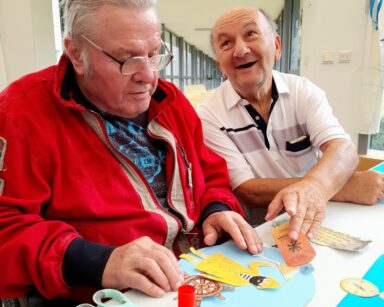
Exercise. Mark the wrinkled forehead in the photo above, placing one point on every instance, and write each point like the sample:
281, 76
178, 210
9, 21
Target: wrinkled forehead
136, 23
236, 18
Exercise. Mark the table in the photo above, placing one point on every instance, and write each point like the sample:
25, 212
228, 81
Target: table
366, 222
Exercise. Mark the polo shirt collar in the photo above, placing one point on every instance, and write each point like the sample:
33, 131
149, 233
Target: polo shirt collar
281, 86
233, 98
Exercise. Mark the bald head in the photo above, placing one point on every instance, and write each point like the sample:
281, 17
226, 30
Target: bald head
238, 14
246, 46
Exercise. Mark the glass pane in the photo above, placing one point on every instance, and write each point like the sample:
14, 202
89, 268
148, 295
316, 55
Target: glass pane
176, 81
377, 140
167, 40
189, 61
198, 70
176, 56
294, 61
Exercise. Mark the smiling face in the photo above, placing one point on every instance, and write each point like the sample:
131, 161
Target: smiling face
246, 49
122, 32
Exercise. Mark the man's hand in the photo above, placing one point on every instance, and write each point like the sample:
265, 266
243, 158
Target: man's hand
364, 188
306, 203
144, 265
233, 224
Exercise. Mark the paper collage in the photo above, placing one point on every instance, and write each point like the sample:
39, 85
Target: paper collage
258, 277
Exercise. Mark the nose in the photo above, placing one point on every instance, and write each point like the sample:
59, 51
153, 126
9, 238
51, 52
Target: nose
145, 74
241, 48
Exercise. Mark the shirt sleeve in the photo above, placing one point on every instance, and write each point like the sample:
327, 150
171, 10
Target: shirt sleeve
210, 209
322, 125
218, 140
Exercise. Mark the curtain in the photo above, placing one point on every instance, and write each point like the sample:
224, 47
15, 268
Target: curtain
373, 70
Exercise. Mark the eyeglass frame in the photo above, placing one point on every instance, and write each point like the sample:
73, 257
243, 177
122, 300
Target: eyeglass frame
121, 63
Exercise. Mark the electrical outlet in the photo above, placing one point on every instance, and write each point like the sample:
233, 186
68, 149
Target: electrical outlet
345, 56
328, 57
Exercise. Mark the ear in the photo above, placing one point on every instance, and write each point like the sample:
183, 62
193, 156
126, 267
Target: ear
277, 47
222, 70
73, 51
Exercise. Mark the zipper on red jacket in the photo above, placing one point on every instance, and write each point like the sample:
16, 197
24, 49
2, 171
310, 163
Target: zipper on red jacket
170, 207
169, 210
188, 166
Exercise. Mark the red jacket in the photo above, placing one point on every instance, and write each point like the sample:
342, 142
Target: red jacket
63, 179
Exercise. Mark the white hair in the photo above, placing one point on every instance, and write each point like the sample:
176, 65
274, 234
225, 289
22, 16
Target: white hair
79, 15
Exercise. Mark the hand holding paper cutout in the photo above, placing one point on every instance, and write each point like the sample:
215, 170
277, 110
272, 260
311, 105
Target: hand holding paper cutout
305, 202
294, 252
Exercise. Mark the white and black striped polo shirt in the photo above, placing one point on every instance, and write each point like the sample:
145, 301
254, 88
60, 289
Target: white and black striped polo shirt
287, 146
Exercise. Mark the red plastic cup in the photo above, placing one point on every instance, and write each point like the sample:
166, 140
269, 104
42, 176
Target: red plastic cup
186, 296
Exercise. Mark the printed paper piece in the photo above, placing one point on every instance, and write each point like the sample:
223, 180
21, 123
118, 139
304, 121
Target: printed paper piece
339, 240
221, 268
295, 253
206, 287
287, 271
374, 275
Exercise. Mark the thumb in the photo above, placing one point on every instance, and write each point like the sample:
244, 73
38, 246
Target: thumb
210, 235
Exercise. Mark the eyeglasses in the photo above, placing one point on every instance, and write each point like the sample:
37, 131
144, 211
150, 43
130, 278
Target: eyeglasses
134, 64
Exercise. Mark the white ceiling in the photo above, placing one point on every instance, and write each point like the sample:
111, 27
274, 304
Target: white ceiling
182, 17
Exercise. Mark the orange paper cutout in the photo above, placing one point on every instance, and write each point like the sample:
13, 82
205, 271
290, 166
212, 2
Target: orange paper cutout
295, 253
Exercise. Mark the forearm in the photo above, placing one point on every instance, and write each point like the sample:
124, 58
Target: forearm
259, 192
335, 167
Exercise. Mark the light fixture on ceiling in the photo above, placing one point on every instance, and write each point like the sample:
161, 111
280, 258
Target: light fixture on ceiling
202, 29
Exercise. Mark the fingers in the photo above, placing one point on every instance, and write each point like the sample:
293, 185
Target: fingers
252, 239
306, 206
274, 208
143, 265
307, 219
314, 228
210, 234
152, 282
295, 225
244, 236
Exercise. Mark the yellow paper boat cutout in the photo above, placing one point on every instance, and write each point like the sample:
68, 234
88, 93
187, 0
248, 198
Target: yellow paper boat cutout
221, 268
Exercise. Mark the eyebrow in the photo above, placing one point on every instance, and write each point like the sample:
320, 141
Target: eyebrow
249, 23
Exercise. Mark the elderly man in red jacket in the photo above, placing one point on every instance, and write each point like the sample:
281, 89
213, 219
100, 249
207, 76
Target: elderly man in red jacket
103, 167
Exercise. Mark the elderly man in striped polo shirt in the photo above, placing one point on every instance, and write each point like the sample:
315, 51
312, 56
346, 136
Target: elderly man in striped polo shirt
283, 146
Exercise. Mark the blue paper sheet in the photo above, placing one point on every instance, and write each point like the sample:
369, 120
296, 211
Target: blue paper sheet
378, 168
294, 293
375, 275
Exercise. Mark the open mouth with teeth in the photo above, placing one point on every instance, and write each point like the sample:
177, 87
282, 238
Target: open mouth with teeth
246, 65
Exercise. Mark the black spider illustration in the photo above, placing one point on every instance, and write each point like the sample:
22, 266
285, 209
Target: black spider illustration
294, 246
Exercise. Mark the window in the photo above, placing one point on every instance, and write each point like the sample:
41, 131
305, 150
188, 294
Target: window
377, 140
189, 65
57, 28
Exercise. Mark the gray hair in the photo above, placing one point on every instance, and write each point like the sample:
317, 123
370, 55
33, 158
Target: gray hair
78, 16
271, 22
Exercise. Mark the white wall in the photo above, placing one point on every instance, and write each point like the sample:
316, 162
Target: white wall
27, 37
330, 25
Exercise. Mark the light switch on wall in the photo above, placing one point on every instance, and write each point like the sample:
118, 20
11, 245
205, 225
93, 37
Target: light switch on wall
345, 56
328, 57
